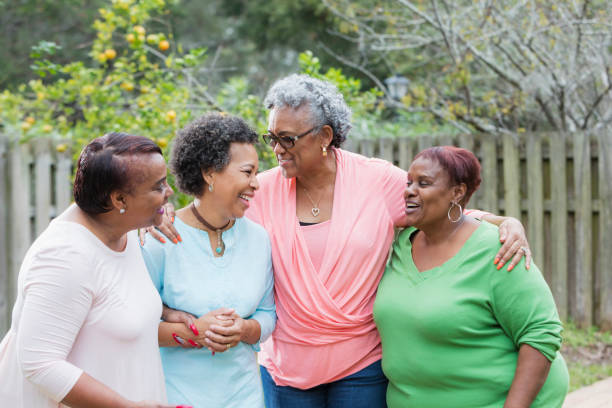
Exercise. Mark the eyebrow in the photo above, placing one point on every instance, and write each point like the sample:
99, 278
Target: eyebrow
161, 180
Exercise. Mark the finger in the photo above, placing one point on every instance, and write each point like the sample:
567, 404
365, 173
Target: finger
508, 253
155, 234
141, 235
223, 311
224, 323
216, 347
167, 228
224, 331
169, 210
528, 259
221, 339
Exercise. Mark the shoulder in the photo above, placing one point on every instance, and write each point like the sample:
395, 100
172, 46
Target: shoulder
254, 230
269, 176
369, 167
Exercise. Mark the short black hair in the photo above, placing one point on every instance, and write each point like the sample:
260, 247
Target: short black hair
100, 169
204, 145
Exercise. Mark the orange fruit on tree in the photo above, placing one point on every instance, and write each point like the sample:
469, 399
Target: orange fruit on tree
171, 115
127, 86
163, 45
139, 30
110, 53
30, 120
130, 38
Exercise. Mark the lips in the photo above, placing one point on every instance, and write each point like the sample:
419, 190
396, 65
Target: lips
245, 198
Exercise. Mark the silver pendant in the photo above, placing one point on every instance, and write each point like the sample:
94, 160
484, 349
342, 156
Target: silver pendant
315, 211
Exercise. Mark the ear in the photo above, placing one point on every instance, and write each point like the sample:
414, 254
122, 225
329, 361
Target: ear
327, 135
208, 176
118, 199
459, 192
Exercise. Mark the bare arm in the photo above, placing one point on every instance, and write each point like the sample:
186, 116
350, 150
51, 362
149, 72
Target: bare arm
531, 373
90, 393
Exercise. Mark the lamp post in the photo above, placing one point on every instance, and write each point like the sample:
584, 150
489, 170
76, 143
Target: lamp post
397, 86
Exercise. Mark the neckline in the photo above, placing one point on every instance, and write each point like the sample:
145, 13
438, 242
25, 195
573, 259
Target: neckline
447, 265
95, 240
229, 238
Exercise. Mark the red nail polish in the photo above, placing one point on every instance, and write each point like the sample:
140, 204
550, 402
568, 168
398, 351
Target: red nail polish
495, 261
163, 241
193, 343
173, 220
500, 266
179, 238
178, 339
194, 329
510, 268
175, 241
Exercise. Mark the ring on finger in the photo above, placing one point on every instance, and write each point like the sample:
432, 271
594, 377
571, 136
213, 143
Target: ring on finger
228, 346
524, 249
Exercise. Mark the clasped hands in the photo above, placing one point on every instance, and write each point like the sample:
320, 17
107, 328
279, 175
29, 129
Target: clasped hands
218, 330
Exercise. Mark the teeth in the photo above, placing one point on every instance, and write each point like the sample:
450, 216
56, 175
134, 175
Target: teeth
245, 197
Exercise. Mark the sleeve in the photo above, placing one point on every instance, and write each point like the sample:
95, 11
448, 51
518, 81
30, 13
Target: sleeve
525, 309
155, 257
265, 313
393, 184
58, 294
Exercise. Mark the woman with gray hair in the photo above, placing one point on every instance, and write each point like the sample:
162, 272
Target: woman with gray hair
331, 216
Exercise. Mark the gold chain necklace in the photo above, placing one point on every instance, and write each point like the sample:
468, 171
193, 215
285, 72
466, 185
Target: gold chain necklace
315, 207
220, 244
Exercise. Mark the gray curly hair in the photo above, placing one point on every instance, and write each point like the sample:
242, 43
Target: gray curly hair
326, 103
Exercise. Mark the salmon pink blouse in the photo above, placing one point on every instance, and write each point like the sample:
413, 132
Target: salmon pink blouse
325, 329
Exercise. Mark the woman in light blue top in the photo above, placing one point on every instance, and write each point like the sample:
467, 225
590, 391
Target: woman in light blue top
221, 273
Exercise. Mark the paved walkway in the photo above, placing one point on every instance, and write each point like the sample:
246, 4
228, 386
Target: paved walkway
598, 395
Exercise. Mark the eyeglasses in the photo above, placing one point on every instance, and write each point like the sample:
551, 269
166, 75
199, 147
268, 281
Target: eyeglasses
287, 142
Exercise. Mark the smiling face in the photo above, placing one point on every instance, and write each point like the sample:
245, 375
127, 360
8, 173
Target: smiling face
428, 193
305, 155
235, 185
150, 191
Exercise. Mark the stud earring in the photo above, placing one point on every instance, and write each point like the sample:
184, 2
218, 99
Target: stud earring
122, 211
210, 187
324, 151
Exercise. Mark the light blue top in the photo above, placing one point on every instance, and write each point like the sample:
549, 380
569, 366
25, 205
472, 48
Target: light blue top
188, 277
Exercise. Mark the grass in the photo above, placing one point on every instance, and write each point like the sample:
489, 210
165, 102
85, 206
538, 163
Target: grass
588, 353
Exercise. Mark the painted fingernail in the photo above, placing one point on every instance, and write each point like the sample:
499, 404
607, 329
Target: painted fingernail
194, 329
177, 339
496, 261
163, 241
510, 268
499, 266
179, 238
175, 241
193, 343
173, 220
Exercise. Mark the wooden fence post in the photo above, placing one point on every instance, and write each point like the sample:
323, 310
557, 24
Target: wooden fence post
385, 148
512, 179
63, 186
405, 152
42, 185
558, 222
5, 306
19, 211
604, 138
489, 173
535, 198
583, 247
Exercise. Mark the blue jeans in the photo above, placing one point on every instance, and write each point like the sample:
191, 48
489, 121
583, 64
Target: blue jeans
364, 389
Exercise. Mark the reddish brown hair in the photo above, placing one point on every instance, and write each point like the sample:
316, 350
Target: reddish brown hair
460, 164
100, 169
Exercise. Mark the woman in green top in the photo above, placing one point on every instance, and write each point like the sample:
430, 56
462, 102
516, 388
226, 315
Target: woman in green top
455, 331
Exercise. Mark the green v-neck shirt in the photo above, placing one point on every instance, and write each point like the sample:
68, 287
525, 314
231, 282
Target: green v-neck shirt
451, 334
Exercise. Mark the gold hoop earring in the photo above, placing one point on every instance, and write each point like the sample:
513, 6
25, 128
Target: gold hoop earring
453, 204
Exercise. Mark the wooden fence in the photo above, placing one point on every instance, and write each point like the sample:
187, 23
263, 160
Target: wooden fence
34, 187
559, 185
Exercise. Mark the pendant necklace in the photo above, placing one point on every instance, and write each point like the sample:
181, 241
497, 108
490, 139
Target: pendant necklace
315, 207
220, 244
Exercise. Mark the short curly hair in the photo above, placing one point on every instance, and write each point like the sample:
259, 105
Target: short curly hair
325, 101
204, 144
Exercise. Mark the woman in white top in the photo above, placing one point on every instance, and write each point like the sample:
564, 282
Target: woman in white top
84, 326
